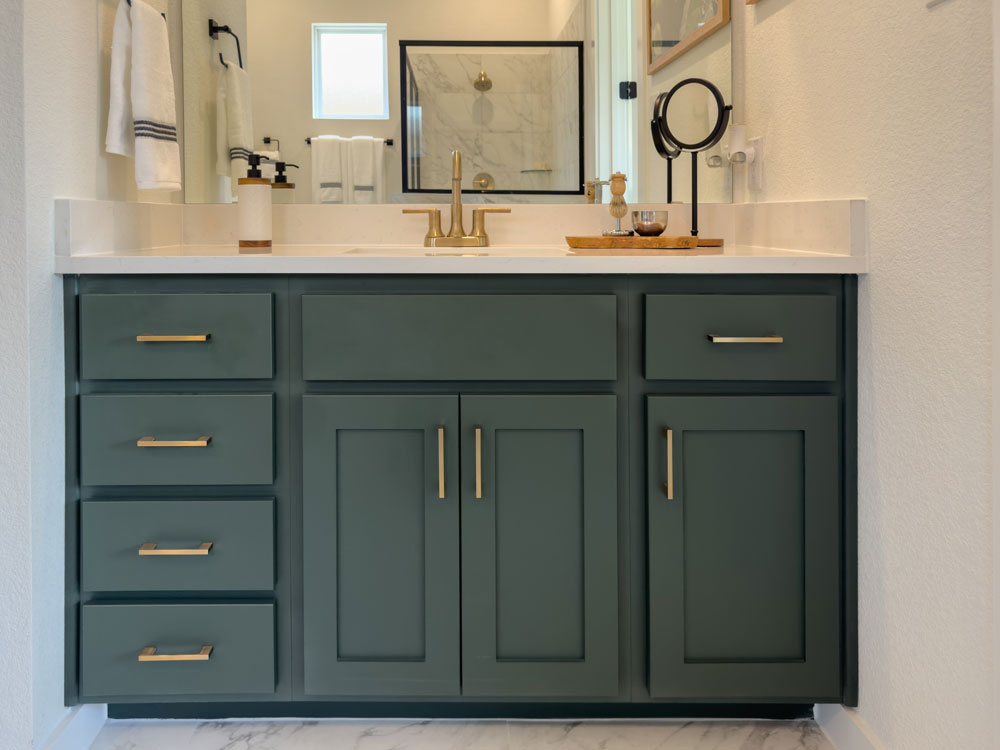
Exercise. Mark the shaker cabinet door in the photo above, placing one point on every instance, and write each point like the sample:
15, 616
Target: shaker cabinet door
539, 546
381, 545
744, 516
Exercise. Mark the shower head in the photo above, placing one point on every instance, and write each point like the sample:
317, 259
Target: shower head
483, 82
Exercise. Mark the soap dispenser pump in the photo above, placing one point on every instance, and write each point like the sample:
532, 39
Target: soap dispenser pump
254, 205
284, 190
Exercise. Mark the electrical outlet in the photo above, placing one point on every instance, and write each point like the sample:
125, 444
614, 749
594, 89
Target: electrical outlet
755, 176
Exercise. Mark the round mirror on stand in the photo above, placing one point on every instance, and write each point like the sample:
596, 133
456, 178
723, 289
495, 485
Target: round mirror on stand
692, 117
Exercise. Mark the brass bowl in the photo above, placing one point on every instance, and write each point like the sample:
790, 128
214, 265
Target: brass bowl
649, 223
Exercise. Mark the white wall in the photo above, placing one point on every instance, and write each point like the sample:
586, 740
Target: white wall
893, 102
62, 158
15, 477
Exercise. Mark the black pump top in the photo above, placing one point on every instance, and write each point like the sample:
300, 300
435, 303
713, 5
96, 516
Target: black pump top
281, 178
254, 170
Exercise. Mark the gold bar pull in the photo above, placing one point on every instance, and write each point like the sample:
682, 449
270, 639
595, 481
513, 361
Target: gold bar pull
668, 486
441, 462
149, 654
150, 339
150, 549
745, 339
151, 442
479, 463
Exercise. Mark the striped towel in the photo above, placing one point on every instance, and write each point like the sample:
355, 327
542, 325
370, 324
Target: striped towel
234, 122
142, 116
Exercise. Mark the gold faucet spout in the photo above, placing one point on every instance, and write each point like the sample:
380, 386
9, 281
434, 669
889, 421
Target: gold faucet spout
457, 227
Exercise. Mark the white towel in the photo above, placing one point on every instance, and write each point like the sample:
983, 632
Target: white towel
121, 138
233, 122
367, 165
142, 115
330, 169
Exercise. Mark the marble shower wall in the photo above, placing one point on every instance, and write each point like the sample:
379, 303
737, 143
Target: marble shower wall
516, 132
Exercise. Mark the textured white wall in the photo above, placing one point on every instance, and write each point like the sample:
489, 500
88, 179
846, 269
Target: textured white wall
62, 158
893, 102
15, 477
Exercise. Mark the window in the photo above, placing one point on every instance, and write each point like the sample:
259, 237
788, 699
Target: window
350, 71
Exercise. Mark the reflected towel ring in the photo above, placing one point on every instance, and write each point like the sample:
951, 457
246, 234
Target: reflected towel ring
214, 29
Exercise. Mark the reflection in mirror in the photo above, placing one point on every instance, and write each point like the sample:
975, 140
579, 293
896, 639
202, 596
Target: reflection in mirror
691, 114
693, 110
675, 26
534, 118
514, 111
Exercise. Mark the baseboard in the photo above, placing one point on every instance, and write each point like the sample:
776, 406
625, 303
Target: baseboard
845, 729
79, 729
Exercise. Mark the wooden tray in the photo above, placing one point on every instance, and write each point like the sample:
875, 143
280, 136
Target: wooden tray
686, 245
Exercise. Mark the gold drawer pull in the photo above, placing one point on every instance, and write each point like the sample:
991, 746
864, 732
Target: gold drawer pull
479, 463
149, 654
668, 486
149, 549
149, 339
746, 339
441, 462
151, 442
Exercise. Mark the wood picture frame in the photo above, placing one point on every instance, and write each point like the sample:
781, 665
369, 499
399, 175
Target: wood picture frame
718, 21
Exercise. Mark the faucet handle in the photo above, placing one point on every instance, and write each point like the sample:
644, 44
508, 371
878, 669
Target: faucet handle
433, 222
479, 222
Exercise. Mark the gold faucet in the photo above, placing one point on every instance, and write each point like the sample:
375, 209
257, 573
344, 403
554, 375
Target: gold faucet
456, 236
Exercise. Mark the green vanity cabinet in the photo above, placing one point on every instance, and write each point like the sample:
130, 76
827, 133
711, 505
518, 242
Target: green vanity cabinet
381, 545
538, 496
539, 546
744, 516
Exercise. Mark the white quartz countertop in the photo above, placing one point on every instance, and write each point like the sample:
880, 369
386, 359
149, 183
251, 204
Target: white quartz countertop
101, 237
413, 259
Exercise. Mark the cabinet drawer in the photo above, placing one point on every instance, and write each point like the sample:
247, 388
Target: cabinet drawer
113, 636
680, 328
221, 336
201, 439
240, 558
459, 337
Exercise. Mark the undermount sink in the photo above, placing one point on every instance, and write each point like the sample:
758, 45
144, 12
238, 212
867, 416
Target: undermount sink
457, 252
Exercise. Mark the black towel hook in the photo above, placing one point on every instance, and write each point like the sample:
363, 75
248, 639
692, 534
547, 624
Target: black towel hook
215, 29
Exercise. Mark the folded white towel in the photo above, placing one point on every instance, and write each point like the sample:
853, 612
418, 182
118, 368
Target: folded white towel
367, 165
330, 169
234, 122
143, 122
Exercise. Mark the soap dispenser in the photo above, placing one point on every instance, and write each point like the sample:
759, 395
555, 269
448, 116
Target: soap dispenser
254, 209
284, 191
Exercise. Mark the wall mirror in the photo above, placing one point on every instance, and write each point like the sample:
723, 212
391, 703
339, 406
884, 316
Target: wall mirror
514, 110
527, 90
675, 26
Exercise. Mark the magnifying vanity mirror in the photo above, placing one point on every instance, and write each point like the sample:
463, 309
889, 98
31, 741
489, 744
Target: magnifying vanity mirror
527, 90
690, 118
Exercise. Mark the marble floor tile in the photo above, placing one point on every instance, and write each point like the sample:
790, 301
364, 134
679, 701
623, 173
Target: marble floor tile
460, 735
145, 735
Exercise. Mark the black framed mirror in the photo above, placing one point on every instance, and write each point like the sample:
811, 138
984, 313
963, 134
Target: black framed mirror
514, 109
